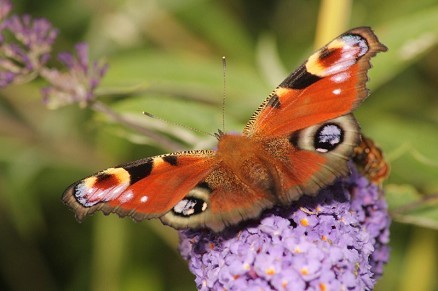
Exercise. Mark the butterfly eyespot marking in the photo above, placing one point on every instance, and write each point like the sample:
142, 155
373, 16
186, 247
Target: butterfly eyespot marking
338, 56
340, 134
102, 187
328, 137
357, 40
192, 209
189, 206
195, 201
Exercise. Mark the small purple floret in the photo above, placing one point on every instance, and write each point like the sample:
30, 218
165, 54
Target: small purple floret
5, 8
25, 45
78, 83
337, 240
25, 49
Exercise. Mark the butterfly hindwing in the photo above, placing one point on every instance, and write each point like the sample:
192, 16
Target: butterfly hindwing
222, 199
143, 189
317, 156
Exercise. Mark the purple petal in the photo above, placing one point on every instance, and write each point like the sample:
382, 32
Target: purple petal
28, 45
5, 8
82, 53
79, 82
6, 78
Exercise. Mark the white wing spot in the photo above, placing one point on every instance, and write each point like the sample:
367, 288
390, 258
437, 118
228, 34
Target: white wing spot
355, 40
144, 198
337, 91
321, 150
341, 77
89, 196
82, 193
126, 197
116, 191
185, 207
328, 138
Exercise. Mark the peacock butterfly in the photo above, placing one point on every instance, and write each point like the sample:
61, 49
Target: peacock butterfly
299, 140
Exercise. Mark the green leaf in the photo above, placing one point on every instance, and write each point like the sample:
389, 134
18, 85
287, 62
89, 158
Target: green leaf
407, 205
223, 30
408, 38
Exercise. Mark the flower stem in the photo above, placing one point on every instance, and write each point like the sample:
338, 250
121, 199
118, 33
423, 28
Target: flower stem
160, 139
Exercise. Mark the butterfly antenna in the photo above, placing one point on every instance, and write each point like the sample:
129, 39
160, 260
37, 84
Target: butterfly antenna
224, 66
178, 124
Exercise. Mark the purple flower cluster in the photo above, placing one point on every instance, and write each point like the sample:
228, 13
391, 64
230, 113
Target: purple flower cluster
25, 48
334, 241
25, 45
77, 84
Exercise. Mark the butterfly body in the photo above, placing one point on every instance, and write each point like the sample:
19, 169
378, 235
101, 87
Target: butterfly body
370, 161
247, 159
298, 141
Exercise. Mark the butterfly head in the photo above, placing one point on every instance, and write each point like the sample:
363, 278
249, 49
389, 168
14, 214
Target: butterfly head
219, 134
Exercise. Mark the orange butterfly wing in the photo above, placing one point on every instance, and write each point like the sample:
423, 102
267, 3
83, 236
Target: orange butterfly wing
306, 123
329, 84
227, 200
178, 188
143, 189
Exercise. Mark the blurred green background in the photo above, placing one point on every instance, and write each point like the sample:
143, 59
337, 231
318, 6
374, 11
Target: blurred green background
165, 58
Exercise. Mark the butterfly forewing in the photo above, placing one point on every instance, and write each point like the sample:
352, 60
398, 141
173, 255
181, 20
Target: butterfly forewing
329, 84
143, 189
